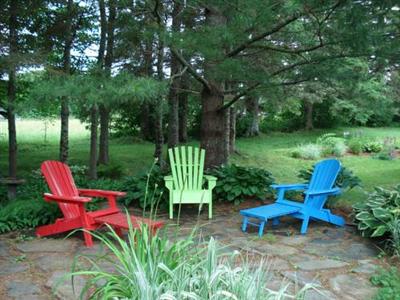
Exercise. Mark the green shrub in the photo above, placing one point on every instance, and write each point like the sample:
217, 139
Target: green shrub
147, 189
379, 217
113, 171
346, 179
384, 155
23, 214
152, 267
355, 146
235, 183
388, 282
308, 151
372, 146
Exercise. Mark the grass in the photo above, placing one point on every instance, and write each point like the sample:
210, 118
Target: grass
271, 152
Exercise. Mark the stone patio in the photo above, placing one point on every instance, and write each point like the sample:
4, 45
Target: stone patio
336, 259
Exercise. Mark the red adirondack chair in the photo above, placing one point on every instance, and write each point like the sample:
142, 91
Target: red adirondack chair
71, 201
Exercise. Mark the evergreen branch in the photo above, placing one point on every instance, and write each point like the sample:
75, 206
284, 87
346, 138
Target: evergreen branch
291, 50
176, 75
263, 35
278, 27
238, 96
314, 61
286, 83
190, 69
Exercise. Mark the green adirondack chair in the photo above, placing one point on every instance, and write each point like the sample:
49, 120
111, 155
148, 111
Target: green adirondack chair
186, 184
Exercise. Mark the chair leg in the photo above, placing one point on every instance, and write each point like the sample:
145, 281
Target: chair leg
88, 239
210, 210
244, 224
304, 225
275, 221
261, 228
171, 209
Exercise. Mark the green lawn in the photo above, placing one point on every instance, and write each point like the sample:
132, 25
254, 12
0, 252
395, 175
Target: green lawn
271, 152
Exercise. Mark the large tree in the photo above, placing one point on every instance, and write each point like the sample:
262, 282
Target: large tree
245, 46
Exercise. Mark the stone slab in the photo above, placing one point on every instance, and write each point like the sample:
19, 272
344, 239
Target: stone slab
295, 240
301, 278
7, 268
320, 264
54, 262
60, 284
351, 286
319, 294
276, 249
47, 245
278, 264
22, 289
4, 249
365, 267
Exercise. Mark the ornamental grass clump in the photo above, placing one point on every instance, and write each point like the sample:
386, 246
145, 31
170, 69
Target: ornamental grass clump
151, 267
332, 145
308, 151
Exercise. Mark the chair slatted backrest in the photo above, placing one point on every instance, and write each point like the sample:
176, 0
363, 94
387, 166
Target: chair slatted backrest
187, 167
323, 178
61, 183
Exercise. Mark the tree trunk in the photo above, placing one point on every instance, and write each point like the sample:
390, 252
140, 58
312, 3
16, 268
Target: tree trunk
308, 106
253, 110
227, 132
173, 100
93, 142
145, 122
183, 114
158, 128
103, 34
11, 93
104, 111
232, 130
146, 119
173, 117
64, 139
94, 118
212, 132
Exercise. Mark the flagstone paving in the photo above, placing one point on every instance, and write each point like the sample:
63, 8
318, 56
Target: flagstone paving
338, 260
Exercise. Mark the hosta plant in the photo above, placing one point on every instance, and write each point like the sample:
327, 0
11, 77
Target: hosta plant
372, 146
236, 183
379, 215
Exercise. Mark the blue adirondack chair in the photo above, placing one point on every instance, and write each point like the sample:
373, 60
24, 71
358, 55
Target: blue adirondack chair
316, 193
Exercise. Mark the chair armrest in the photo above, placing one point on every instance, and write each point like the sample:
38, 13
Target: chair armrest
169, 182
289, 187
111, 196
100, 193
334, 191
212, 181
65, 199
